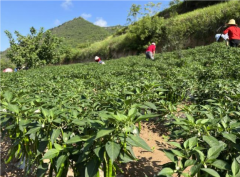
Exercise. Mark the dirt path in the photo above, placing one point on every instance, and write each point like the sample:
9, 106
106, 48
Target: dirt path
149, 163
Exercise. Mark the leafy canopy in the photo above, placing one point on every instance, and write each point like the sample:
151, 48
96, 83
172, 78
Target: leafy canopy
35, 49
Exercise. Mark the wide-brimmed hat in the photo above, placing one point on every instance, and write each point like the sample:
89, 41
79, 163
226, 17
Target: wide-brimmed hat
96, 58
232, 22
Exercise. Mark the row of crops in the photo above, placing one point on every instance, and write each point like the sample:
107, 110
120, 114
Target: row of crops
88, 116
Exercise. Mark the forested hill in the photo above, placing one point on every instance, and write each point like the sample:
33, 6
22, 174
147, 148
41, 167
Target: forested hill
79, 32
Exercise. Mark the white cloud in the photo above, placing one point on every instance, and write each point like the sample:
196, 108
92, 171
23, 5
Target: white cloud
100, 22
67, 4
85, 16
57, 22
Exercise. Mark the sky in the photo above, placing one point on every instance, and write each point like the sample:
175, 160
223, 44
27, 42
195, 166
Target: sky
20, 16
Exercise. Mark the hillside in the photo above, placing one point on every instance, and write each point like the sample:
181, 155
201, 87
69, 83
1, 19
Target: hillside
187, 30
184, 7
79, 31
113, 29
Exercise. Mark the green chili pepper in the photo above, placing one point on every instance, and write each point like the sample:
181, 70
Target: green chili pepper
60, 171
109, 168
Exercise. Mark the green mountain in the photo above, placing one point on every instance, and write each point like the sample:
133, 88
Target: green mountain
79, 32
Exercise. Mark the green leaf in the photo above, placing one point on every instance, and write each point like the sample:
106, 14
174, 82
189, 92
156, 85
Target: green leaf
211, 141
178, 153
125, 157
140, 142
132, 112
214, 152
235, 167
192, 142
13, 108
99, 151
230, 137
60, 160
147, 116
189, 162
151, 105
33, 130
113, 150
195, 169
42, 169
201, 155
51, 154
190, 118
104, 132
75, 139
175, 144
211, 172
186, 144
92, 167
220, 164
66, 136
58, 147
79, 122
166, 172
171, 156
45, 112
8, 96
55, 135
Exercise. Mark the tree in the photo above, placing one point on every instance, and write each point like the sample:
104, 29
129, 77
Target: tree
174, 2
134, 12
150, 9
35, 49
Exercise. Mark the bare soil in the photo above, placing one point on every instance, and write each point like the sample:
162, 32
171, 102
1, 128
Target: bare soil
149, 163
8, 170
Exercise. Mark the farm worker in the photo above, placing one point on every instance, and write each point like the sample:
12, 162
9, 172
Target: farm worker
98, 59
224, 36
8, 70
150, 52
233, 32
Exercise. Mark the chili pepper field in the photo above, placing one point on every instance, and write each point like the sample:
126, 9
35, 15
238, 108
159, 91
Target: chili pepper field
89, 117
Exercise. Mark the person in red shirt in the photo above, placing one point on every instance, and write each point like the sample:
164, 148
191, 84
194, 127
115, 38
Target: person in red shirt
233, 32
150, 52
98, 59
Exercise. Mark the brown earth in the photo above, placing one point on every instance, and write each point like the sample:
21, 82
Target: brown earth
8, 170
149, 163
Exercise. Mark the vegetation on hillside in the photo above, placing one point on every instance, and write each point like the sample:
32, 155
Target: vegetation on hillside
79, 32
113, 29
182, 31
180, 7
88, 116
5, 62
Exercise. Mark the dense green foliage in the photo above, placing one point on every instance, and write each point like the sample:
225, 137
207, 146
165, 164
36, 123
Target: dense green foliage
86, 114
181, 7
113, 29
34, 50
79, 31
5, 62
